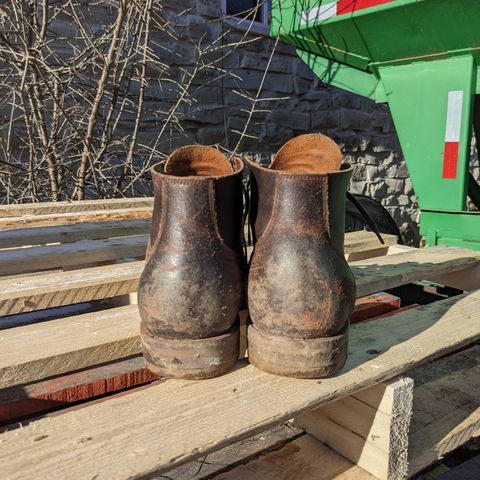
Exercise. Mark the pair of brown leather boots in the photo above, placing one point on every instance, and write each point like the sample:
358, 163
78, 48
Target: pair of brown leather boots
301, 291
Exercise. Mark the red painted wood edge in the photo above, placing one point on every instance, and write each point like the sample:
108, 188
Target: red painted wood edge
393, 312
67, 389
374, 305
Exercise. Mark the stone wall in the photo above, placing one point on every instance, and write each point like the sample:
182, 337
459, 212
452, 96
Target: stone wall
301, 104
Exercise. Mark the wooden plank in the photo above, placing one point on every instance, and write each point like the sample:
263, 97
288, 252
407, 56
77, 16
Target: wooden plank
24, 260
397, 248
391, 271
467, 280
26, 294
380, 397
41, 350
349, 445
52, 213
20, 260
303, 459
372, 427
54, 289
366, 421
28, 221
359, 245
51, 387
355, 256
393, 312
449, 433
374, 305
448, 366
364, 241
49, 208
72, 233
373, 439
146, 429
50, 290
446, 411
25, 400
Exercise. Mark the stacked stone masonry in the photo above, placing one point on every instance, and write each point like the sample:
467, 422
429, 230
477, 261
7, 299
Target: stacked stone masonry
300, 103
221, 65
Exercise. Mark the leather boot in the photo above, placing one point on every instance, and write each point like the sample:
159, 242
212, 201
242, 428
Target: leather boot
191, 289
301, 291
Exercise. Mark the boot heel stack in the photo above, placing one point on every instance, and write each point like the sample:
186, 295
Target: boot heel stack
191, 289
297, 357
301, 291
193, 359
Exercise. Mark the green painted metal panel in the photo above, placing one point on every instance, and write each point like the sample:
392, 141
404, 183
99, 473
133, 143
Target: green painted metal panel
455, 229
420, 56
342, 76
400, 30
418, 98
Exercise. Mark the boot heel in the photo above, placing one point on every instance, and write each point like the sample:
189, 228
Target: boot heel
192, 359
297, 357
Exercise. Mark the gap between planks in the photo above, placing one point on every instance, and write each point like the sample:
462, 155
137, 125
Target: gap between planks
146, 429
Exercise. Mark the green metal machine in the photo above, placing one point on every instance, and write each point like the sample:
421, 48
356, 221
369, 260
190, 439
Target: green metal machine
422, 57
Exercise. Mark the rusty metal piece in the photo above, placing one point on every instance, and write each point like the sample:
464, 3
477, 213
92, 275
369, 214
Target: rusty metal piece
300, 287
191, 289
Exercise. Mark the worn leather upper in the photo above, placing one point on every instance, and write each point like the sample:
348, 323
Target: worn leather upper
299, 282
192, 285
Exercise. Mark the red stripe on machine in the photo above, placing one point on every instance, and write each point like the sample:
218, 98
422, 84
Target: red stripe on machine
450, 160
329, 10
349, 6
452, 134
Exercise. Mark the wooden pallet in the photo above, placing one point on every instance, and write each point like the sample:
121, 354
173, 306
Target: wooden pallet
405, 425
167, 423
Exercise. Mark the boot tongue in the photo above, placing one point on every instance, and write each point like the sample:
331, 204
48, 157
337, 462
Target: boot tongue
310, 153
197, 161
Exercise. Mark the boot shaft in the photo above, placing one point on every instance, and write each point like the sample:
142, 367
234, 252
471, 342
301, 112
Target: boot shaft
299, 282
192, 284
308, 205
197, 208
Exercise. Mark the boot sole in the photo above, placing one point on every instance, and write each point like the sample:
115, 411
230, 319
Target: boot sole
297, 357
192, 359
